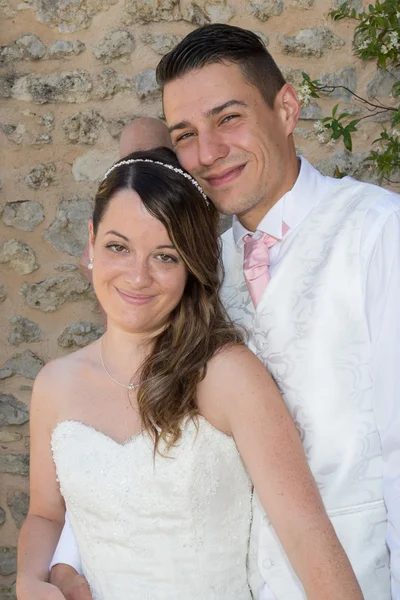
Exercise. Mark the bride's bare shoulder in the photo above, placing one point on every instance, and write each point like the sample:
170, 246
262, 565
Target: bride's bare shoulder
64, 369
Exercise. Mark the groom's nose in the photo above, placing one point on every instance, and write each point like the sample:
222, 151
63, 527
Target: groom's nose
210, 147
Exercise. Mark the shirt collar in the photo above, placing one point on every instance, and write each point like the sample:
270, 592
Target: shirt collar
293, 207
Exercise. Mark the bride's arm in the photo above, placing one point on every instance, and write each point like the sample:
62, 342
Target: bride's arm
41, 529
241, 395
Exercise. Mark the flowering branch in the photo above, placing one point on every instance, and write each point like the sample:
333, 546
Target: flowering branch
375, 37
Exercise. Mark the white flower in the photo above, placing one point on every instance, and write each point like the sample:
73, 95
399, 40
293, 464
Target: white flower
364, 45
384, 49
319, 127
393, 40
304, 94
395, 133
323, 138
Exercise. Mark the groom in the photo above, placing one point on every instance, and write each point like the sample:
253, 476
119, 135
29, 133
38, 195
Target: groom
313, 271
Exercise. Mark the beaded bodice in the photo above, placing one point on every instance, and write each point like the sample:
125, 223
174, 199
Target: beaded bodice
173, 528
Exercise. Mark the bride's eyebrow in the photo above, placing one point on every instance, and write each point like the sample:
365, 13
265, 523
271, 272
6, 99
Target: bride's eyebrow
118, 234
170, 246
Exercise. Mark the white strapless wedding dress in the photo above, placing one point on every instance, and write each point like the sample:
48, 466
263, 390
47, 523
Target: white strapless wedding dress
173, 529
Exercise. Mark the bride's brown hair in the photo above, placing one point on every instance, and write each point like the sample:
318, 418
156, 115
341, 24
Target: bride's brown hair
199, 325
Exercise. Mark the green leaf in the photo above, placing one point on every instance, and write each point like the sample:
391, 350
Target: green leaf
338, 173
396, 90
352, 126
334, 110
396, 119
347, 140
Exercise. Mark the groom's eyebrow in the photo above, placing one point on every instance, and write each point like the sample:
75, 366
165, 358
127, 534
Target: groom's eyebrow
217, 109
210, 113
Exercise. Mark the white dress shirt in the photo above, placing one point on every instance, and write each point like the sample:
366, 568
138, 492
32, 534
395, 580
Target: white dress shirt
380, 266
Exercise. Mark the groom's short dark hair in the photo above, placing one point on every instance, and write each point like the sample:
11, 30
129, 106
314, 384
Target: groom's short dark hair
219, 43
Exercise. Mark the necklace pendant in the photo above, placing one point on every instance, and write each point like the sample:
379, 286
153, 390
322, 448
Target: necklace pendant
131, 387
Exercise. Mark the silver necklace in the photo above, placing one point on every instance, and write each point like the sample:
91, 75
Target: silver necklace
130, 386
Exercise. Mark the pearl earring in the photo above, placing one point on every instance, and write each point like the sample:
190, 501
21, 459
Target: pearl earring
90, 265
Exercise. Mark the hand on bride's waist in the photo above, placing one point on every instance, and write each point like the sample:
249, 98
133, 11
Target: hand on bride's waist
72, 585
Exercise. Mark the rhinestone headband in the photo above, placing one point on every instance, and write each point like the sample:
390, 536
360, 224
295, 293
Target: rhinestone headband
166, 165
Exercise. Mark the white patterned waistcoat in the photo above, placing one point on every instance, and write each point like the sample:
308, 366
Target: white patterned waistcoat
311, 333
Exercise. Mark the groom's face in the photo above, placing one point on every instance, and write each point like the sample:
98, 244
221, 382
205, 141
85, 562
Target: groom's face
229, 139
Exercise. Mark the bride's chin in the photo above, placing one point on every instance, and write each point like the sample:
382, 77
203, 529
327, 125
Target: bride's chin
147, 330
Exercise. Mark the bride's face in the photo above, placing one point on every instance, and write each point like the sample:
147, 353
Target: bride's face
138, 275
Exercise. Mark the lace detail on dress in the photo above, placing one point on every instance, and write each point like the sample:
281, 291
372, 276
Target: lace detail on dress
173, 529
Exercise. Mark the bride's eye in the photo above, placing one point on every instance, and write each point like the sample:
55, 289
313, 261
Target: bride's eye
117, 248
166, 258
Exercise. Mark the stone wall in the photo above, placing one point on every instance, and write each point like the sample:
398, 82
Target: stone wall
72, 74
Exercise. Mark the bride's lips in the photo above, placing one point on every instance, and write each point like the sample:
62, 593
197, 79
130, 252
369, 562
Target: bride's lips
225, 176
136, 299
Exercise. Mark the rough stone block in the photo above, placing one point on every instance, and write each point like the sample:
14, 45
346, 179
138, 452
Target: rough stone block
18, 503
80, 334
8, 560
50, 294
14, 464
150, 11
109, 83
346, 77
31, 47
351, 164
24, 331
310, 42
264, 9
83, 127
382, 83
26, 363
92, 165
161, 43
24, 215
41, 176
146, 84
12, 411
7, 83
65, 49
20, 257
73, 87
14, 133
117, 44
72, 15
68, 232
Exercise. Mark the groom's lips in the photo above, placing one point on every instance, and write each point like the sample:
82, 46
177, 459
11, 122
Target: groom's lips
225, 176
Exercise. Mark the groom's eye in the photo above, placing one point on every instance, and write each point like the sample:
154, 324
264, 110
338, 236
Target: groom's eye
229, 118
184, 136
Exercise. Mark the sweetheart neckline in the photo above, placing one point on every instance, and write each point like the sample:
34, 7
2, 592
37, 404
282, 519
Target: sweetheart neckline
143, 433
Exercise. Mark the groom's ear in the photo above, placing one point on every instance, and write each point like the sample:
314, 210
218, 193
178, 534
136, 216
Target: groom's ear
288, 106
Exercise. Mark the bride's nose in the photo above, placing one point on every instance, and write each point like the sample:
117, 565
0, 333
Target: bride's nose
138, 274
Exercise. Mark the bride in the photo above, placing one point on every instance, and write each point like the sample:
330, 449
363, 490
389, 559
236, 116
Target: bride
153, 436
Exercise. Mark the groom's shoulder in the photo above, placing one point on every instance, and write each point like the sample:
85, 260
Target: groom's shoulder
372, 190
380, 203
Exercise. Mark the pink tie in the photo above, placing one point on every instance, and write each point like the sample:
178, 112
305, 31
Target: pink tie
256, 263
